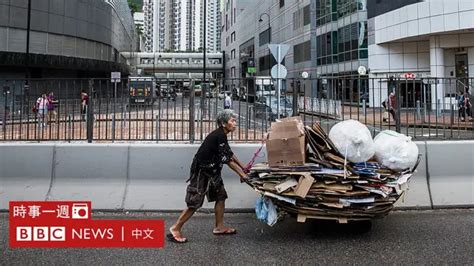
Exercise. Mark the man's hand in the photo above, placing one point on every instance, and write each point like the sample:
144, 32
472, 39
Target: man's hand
243, 178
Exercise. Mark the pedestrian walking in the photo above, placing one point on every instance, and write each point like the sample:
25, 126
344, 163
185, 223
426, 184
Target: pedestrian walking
468, 105
52, 114
42, 110
227, 101
206, 180
461, 100
392, 105
84, 104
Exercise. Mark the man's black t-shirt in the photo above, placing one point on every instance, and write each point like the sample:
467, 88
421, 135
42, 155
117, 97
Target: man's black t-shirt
214, 151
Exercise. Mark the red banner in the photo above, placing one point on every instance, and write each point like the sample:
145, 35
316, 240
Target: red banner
69, 224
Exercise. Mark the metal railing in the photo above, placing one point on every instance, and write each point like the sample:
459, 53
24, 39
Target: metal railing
184, 110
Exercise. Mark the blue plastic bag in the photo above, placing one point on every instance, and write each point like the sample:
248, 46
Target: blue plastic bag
266, 211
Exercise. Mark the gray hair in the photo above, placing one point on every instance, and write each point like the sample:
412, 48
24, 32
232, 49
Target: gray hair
224, 116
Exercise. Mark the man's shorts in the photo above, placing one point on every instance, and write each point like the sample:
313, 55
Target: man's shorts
202, 185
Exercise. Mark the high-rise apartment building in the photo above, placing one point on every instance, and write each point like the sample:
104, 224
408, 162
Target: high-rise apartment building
148, 24
177, 25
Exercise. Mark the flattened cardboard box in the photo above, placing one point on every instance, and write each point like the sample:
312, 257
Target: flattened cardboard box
286, 144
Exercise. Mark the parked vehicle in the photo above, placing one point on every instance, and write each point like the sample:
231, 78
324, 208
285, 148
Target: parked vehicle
168, 92
259, 86
266, 107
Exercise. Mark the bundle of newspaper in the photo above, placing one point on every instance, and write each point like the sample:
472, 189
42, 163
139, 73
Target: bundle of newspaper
326, 186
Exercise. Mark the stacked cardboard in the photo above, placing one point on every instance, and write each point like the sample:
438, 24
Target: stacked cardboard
313, 180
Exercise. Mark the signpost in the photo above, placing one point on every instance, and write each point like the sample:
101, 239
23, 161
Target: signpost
251, 69
115, 78
279, 71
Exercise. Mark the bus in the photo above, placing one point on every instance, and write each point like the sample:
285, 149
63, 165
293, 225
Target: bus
142, 90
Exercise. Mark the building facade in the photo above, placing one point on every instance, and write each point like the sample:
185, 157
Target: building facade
66, 38
327, 38
148, 24
431, 42
177, 25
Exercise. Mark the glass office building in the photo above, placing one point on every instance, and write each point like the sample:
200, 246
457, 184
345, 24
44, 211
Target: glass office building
341, 46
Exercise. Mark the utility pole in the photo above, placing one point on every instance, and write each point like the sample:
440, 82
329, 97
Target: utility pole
26, 88
204, 42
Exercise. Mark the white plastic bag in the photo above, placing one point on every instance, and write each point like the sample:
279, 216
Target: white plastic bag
266, 211
395, 151
353, 140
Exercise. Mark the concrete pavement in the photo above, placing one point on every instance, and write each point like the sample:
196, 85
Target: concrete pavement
403, 238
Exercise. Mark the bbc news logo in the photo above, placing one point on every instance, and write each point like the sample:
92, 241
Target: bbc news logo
41, 233
66, 224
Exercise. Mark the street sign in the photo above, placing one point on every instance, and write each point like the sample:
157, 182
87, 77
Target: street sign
362, 70
251, 69
279, 51
115, 77
279, 72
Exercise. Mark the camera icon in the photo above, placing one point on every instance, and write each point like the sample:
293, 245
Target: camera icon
80, 211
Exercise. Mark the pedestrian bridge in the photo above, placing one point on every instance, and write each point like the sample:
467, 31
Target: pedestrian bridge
175, 62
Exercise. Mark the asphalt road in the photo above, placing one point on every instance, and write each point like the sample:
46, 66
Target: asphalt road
404, 238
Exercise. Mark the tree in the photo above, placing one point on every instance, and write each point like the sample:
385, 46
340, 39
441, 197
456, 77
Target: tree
134, 7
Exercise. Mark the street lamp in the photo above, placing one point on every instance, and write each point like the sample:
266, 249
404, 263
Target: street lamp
204, 42
269, 31
27, 55
269, 35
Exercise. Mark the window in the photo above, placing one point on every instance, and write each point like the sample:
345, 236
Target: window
302, 52
265, 63
264, 37
232, 54
226, 22
306, 16
301, 17
232, 37
282, 3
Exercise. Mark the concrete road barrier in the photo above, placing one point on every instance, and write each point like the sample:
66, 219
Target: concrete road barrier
158, 173
152, 176
25, 172
417, 195
451, 173
90, 172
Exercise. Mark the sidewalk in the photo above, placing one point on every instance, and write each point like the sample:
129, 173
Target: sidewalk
408, 118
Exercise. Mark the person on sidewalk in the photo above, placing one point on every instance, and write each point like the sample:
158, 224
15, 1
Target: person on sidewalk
461, 106
227, 101
52, 114
84, 104
206, 180
392, 105
42, 107
468, 105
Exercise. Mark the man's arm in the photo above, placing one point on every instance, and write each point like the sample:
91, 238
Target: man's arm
237, 161
234, 166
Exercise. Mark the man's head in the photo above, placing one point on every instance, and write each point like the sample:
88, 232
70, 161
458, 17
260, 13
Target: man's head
227, 120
